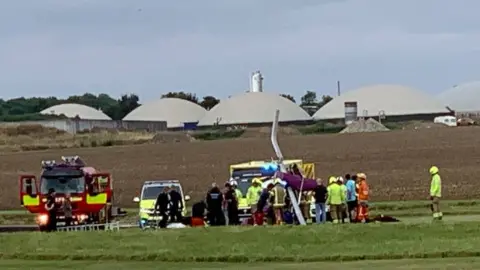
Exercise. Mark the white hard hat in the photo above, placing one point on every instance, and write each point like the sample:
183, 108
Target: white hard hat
340, 179
233, 182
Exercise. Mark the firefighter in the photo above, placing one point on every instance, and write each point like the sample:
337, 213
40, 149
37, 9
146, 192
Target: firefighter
363, 192
278, 202
231, 205
161, 207
436, 193
238, 192
51, 207
335, 199
214, 206
176, 205
253, 194
305, 206
351, 196
340, 181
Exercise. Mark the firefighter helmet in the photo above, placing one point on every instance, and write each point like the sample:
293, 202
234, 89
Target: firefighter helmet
433, 170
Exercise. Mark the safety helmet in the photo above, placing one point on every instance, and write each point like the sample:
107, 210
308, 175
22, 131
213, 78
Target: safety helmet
361, 176
233, 183
332, 179
256, 180
433, 170
340, 179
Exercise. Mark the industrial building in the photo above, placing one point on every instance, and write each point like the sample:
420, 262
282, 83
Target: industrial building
176, 112
463, 98
394, 102
254, 107
72, 110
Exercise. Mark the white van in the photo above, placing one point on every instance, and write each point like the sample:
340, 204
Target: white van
448, 120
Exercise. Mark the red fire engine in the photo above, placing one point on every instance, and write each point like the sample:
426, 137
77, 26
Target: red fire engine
91, 193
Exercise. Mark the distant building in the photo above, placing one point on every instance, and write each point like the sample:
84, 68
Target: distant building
254, 108
176, 112
72, 110
396, 102
464, 99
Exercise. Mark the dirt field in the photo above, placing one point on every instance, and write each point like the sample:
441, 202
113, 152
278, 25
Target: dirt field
396, 162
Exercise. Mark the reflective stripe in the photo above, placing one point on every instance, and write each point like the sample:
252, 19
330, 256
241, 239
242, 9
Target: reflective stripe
29, 201
100, 198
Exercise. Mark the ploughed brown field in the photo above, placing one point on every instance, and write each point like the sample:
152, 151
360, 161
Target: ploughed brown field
395, 162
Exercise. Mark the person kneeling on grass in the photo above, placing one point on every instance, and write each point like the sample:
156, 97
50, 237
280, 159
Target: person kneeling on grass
198, 214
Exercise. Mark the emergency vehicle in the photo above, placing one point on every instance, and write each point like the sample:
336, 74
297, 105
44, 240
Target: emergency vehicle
243, 173
148, 197
91, 192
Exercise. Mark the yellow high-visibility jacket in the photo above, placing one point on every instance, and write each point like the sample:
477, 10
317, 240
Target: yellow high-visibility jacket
436, 186
336, 195
253, 194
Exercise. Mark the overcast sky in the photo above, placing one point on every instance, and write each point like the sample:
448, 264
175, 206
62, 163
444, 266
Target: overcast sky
210, 47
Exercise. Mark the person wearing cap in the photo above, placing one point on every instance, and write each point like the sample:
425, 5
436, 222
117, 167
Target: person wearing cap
335, 199
436, 192
363, 195
253, 194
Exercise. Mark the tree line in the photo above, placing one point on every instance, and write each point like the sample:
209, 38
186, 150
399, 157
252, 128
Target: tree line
27, 109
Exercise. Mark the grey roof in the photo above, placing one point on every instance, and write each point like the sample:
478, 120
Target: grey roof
72, 110
253, 107
173, 110
463, 97
392, 99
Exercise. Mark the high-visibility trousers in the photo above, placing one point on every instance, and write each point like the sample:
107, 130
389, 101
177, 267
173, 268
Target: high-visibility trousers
362, 211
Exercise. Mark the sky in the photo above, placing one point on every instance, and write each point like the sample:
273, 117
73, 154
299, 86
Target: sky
211, 47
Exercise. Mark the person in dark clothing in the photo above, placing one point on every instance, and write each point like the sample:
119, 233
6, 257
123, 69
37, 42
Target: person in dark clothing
198, 214
232, 205
262, 203
320, 200
176, 205
161, 207
214, 206
51, 207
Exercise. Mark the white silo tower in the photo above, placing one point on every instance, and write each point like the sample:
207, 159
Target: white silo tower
256, 83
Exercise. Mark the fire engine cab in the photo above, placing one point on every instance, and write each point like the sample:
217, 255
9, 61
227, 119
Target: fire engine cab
91, 193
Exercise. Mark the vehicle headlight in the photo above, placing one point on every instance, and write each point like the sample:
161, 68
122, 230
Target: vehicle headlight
42, 219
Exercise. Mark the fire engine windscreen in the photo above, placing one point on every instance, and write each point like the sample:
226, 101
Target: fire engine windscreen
152, 192
63, 184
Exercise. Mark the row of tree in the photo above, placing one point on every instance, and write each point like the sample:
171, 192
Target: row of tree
25, 109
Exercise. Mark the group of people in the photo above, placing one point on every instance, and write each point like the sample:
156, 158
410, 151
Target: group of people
169, 206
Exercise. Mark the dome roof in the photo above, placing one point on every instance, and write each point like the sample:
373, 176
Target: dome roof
173, 110
392, 99
72, 110
253, 107
463, 97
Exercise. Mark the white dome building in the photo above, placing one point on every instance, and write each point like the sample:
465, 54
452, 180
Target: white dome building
392, 100
253, 108
462, 98
72, 110
174, 111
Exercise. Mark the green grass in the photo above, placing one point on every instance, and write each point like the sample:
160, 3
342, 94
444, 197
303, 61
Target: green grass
252, 244
426, 264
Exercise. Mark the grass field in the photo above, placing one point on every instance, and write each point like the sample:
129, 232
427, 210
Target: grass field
252, 244
414, 264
